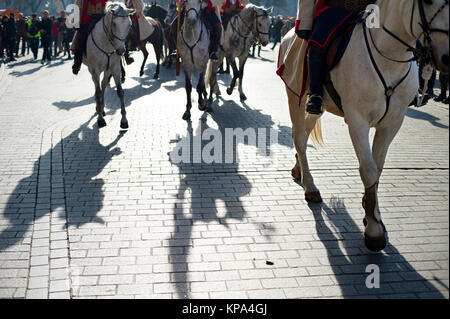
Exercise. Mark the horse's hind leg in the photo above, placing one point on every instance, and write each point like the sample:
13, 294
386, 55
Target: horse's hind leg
242, 61
301, 129
145, 53
188, 85
158, 52
375, 233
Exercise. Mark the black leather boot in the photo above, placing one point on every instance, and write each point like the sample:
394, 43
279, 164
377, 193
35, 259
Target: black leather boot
216, 35
317, 72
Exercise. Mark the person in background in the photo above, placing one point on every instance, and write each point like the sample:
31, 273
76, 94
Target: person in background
277, 31
67, 36
55, 32
33, 35
11, 36
61, 21
21, 34
46, 36
2, 39
285, 29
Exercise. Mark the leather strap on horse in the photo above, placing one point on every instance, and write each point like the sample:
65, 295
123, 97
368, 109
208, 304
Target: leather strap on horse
388, 90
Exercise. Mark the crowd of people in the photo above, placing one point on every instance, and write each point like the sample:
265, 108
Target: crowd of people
20, 35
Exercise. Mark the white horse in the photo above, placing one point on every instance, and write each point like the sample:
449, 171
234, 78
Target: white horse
104, 48
252, 23
375, 89
193, 47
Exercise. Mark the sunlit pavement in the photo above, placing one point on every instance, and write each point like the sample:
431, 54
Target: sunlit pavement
89, 213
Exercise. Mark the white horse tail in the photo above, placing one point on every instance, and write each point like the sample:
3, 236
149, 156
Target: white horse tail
316, 133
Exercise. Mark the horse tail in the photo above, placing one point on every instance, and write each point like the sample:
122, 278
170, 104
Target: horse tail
316, 133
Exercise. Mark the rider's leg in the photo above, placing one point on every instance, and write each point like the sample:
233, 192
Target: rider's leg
317, 72
78, 44
215, 36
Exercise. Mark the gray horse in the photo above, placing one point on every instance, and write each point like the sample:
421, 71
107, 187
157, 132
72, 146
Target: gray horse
252, 23
104, 48
193, 48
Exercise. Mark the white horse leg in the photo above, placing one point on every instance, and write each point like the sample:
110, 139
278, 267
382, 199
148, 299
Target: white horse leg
374, 234
188, 86
300, 133
105, 82
242, 61
116, 72
98, 98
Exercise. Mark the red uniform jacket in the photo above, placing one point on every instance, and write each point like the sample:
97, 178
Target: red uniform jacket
85, 17
228, 4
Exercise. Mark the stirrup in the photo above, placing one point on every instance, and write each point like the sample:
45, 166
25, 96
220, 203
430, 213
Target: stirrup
313, 108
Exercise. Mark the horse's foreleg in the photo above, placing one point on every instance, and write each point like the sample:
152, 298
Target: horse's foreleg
188, 85
232, 62
145, 53
120, 94
105, 81
374, 234
242, 61
158, 52
300, 133
201, 90
98, 100
122, 69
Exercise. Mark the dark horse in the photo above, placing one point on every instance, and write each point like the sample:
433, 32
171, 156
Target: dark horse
156, 38
157, 12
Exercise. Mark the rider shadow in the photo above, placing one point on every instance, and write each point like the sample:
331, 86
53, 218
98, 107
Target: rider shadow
202, 185
419, 115
232, 115
343, 241
81, 194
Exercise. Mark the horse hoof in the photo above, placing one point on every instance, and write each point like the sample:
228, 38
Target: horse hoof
375, 244
243, 97
101, 123
313, 197
156, 77
187, 116
229, 91
124, 125
141, 73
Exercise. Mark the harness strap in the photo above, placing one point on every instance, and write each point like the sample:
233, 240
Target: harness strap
191, 48
388, 90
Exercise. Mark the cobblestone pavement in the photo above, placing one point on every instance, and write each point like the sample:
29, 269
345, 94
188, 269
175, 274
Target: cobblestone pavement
89, 213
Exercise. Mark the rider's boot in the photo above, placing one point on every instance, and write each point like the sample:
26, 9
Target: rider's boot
172, 39
128, 59
216, 35
78, 50
317, 72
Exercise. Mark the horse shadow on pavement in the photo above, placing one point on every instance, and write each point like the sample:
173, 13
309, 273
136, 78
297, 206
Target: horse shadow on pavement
348, 259
201, 186
81, 194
